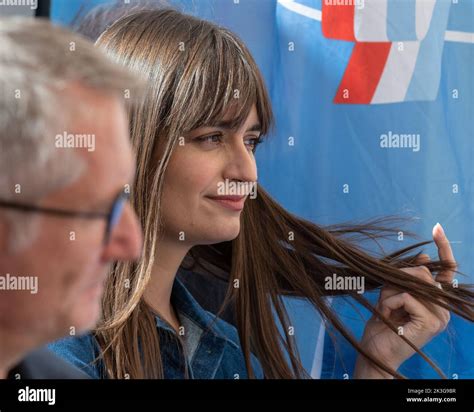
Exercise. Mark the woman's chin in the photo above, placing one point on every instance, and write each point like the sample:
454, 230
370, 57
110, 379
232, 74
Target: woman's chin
221, 235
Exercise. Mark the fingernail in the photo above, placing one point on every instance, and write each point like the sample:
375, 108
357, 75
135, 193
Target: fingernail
441, 230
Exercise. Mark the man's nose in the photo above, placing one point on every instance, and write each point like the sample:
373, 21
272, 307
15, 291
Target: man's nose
126, 238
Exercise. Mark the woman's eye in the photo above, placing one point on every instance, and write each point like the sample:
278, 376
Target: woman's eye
253, 143
212, 140
215, 140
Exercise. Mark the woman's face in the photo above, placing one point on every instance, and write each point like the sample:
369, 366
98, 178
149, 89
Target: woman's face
204, 170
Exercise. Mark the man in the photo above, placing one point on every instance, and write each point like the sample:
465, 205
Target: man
66, 166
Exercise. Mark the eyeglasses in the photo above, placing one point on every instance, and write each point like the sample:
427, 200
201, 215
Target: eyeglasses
112, 217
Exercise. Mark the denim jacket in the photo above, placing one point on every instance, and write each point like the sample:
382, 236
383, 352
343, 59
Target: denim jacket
212, 345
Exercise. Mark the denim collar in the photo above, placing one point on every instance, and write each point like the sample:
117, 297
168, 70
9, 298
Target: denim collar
209, 353
185, 304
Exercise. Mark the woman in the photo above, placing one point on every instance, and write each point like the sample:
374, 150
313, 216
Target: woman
205, 112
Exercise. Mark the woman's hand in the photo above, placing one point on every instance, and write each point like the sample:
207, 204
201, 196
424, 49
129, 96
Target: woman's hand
414, 320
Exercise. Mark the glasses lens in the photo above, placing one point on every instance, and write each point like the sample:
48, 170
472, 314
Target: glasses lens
116, 213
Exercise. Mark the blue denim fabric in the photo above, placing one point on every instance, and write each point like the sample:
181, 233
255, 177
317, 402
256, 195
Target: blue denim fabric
217, 353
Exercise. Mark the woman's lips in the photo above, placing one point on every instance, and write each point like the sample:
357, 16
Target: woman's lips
235, 203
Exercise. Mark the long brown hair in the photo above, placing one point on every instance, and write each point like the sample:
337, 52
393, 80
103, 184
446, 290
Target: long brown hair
194, 69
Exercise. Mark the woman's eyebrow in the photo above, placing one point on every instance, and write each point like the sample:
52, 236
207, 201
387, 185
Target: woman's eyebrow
225, 124
257, 127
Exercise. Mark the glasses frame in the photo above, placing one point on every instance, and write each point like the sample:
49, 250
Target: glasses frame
112, 217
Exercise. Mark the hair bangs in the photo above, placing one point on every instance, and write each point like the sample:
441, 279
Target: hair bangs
225, 84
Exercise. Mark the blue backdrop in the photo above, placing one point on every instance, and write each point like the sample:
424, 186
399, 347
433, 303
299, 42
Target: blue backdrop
340, 80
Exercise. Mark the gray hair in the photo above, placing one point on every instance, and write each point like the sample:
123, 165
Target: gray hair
37, 61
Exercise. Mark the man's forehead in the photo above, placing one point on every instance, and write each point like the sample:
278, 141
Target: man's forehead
103, 141
116, 164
